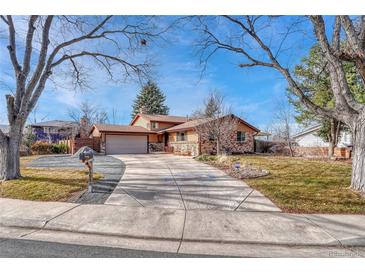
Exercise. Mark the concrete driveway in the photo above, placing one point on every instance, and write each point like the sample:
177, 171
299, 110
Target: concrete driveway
170, 181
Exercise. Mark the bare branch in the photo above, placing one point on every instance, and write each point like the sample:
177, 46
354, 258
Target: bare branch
40, 65
275, 64
4, 19
352, 36
135, 68
336, 34
78, 39
340, 88
12, 46
28, 45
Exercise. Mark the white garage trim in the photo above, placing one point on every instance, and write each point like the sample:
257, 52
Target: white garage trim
126, 144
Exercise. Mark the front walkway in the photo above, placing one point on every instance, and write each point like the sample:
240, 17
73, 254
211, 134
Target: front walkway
178, 182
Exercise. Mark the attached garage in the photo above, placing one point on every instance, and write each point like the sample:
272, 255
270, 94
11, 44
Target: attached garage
126, 144
119, 139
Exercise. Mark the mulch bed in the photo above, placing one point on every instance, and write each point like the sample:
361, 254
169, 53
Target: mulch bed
244, 172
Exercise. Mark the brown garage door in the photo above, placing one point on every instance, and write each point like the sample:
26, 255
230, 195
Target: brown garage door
124, 144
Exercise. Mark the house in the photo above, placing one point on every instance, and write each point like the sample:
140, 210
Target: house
53, 131
4, 129
309, 144
309, 138
152, 133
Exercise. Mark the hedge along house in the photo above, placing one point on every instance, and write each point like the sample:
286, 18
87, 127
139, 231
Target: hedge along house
177, 134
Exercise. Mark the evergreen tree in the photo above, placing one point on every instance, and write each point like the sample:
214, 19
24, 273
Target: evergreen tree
313, 76
150, 100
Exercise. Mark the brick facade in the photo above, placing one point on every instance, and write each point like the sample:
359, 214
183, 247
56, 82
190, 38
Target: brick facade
229, 144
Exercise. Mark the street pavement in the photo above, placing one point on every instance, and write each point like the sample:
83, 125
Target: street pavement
19, 248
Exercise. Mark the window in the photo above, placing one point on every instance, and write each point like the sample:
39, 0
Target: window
154, 125
241, 136
181, 136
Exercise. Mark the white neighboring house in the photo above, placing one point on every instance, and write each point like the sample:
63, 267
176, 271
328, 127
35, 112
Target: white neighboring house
309, 138
4, 129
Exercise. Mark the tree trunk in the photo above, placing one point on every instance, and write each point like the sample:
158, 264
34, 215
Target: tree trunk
291, 151
358, 161
333, 137
331, 148
218, 147
9, 155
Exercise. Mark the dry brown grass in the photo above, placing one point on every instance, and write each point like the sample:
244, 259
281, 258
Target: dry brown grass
304, 186
45, 184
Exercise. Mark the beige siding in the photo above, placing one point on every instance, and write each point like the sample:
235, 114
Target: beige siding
153, 138
162, 125
140, 121
191, 136
95, 133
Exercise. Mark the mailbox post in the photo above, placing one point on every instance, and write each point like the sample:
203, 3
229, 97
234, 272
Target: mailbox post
87, 157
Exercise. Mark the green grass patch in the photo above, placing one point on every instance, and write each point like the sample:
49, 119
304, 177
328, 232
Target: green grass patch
304, 186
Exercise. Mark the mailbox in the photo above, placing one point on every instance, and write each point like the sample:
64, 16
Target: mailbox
86, 155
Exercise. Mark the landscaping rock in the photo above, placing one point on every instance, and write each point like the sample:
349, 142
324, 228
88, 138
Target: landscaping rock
244, 172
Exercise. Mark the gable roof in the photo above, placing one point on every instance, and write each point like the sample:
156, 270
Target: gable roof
194, 123
188, 125
307, 131
121, 129
55, 123
4, 129
161, 118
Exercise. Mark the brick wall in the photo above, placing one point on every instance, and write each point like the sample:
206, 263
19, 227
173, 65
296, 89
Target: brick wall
73, 145
322, 152
229, 144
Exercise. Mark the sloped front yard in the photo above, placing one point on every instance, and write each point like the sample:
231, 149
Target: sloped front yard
45, 184
301, 186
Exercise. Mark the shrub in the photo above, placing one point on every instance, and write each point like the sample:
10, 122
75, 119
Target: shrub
59, 148
206, 158
41, 147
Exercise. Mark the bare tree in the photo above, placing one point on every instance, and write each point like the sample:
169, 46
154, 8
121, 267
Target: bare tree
342, 39
114, 116
52, 41
86, 115
283, 124
215, 122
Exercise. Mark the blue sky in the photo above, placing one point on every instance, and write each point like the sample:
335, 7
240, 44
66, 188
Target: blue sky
251, 92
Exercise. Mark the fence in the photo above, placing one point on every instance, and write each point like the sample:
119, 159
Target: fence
73, 145
281, 148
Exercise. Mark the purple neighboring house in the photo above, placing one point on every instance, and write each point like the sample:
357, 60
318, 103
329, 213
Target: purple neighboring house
53, 131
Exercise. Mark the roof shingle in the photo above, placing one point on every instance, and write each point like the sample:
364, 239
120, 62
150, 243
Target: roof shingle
120, 128
55, 123
162, 118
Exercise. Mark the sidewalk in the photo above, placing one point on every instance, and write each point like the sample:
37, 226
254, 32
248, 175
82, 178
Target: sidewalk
196, 231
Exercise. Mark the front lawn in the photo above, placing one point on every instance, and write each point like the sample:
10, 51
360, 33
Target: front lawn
45, 184
303, 186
